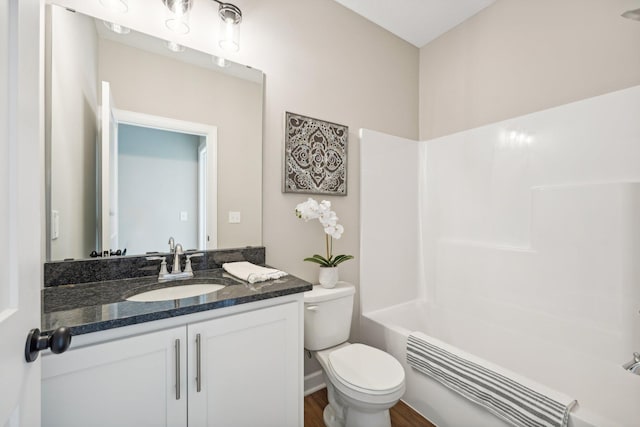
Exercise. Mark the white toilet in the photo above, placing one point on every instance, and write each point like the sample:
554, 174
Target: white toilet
362, 382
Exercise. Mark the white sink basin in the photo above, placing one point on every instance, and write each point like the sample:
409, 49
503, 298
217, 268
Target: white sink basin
175, 292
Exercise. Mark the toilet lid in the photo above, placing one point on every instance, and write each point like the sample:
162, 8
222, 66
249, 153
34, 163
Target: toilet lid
366, 367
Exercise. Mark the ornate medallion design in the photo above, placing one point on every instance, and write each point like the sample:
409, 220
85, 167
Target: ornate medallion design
315, 156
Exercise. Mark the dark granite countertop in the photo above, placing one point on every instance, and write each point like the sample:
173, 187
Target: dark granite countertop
97, 306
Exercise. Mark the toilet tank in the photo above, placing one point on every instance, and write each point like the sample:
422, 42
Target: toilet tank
327, 315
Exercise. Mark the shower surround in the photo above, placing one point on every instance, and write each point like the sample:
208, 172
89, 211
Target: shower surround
518, 242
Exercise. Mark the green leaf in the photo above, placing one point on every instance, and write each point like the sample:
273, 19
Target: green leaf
341, 258
331, 262
318, 260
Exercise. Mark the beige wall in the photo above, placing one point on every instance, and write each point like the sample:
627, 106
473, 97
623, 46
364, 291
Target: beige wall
73, 98
324, 61
152, 84
521, 56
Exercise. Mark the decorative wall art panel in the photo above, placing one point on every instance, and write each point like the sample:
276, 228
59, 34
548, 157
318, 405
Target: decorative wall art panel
315, 156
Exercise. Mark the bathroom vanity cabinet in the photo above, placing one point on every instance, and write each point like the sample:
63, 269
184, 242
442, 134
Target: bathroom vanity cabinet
235, 366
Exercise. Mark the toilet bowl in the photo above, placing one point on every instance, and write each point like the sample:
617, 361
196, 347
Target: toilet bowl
363, 382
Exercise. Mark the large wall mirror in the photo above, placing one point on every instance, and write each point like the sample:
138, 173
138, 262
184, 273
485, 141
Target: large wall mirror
144, 143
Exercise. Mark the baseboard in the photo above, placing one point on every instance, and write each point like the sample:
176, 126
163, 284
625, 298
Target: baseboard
313, 382
418, 412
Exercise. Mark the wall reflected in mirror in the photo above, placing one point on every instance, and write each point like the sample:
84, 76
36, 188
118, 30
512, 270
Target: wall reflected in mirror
189, 163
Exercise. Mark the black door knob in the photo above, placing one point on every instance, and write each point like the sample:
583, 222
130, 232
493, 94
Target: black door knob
59, 341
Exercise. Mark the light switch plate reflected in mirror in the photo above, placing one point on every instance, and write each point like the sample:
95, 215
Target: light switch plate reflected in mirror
234, 217
55, 224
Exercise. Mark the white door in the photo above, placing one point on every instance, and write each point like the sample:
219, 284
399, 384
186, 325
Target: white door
21, 209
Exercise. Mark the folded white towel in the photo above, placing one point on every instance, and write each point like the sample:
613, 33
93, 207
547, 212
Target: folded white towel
518, 400
252, 273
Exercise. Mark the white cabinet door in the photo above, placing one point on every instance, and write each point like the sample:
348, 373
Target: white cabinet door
250, 366
127, 382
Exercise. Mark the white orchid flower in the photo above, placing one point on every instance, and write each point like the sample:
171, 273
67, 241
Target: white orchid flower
328, 219
334, 231
338, 233
311, 209
308, 210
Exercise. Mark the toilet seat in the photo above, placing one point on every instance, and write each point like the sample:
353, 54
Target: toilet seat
362, 382
366, 369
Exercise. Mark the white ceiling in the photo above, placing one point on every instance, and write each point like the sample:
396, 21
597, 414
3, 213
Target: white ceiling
416, 21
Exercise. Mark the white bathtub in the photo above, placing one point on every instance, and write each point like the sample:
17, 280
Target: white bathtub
606, 393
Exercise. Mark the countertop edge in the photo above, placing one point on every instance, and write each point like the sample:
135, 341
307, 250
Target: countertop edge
181, 311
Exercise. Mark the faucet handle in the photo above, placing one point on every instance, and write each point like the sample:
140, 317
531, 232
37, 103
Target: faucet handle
195, 255
187, 264
163, 264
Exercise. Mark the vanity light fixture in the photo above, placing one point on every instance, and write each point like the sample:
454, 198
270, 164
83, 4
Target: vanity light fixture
632, 14
229, 34
177, 19
121, 6
117, 28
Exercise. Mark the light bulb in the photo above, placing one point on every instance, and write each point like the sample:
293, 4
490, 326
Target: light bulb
174, 47
117, 28
230, 37
220, 62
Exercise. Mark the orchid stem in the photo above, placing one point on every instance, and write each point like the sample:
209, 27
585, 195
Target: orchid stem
328, 249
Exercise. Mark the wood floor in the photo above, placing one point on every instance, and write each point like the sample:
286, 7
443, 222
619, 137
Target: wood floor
401, 414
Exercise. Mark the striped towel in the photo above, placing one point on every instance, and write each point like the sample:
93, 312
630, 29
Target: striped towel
530, 405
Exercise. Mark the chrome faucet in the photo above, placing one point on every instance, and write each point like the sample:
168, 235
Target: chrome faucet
176, 272
177, 251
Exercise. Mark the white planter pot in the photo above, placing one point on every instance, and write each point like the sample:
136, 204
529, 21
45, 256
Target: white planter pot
328, 276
